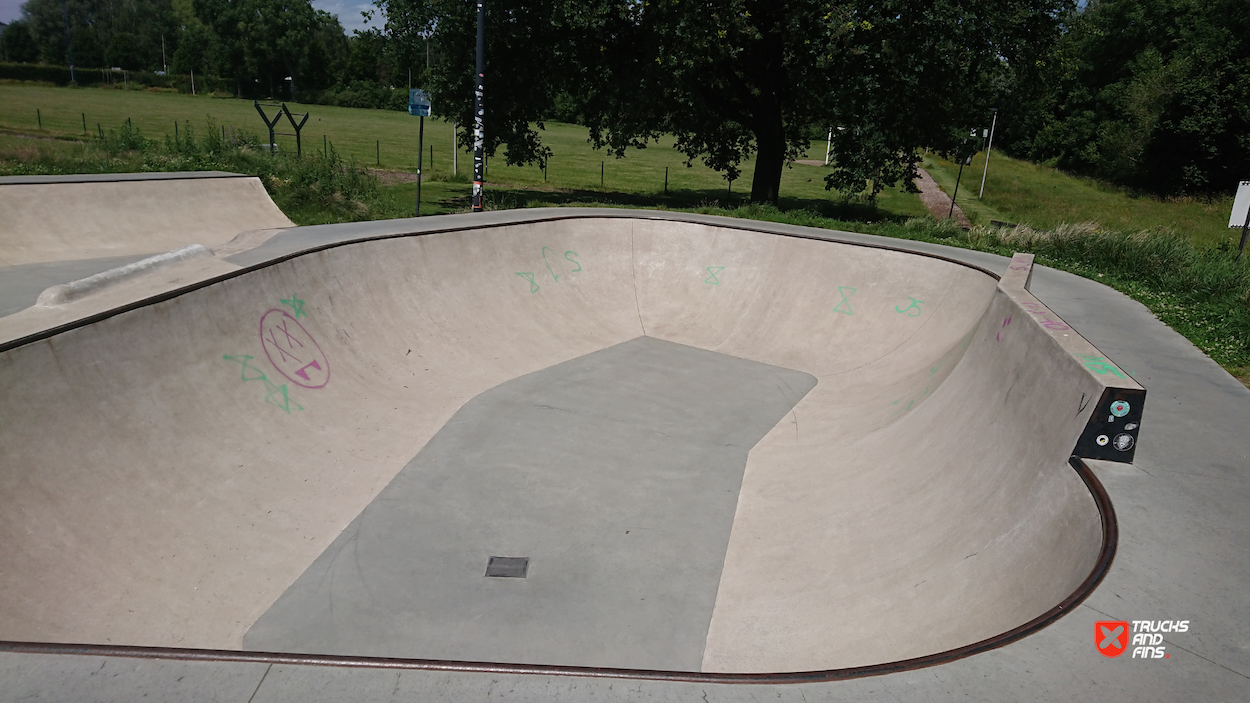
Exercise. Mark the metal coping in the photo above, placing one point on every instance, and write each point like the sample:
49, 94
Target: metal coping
117, 177
1110, 537
607, 213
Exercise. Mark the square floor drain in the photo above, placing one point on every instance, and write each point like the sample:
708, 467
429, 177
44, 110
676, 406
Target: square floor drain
508, 567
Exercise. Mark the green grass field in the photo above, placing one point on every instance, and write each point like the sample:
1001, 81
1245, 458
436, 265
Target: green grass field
1016, 191
1043, 197
573, 173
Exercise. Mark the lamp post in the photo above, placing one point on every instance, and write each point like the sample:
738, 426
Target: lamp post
987, 152
479, 128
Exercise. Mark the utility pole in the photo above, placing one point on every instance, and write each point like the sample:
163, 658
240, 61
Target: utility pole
479, 126
420, 146
69, 41
987, 152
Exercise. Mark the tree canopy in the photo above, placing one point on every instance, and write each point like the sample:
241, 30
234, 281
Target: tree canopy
735, 78
1152, 94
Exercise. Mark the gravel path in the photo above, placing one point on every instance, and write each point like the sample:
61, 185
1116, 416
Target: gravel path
937, 202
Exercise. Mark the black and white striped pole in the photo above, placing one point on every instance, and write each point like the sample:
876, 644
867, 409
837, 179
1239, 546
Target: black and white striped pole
479, 127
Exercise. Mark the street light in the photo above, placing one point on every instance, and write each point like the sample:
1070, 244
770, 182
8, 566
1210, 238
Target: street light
987, 152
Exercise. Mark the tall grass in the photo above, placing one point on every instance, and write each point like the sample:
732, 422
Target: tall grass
313, 189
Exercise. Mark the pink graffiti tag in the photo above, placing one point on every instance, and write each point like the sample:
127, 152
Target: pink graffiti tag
999, 336
293, 351
1037, 309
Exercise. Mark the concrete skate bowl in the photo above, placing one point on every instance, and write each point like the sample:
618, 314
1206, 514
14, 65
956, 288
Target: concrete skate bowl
705, 452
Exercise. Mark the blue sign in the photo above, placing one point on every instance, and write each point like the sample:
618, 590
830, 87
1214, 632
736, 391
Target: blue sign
418, 103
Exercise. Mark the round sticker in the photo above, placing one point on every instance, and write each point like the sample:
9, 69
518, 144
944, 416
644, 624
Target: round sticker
1123, 442
1119, 408
1102, 440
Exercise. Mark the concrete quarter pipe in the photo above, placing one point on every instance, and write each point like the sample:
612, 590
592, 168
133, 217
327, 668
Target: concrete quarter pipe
722, 451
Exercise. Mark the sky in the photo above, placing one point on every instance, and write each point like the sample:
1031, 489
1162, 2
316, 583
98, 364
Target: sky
11, 10
347, 10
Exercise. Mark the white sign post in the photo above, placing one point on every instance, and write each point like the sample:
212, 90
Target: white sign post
1241, 214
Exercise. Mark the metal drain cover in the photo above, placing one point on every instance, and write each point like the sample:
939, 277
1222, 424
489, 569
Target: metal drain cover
507, 567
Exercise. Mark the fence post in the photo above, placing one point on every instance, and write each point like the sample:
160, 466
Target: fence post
39, 116
378, 146
84, 124
666, 180
601, 174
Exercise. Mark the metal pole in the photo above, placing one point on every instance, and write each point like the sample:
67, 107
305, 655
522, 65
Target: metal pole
84, 124
455, 151
420, 146
956, 195
988, 148
479, 127
828, 146
601, 174
1245, 228
666, 180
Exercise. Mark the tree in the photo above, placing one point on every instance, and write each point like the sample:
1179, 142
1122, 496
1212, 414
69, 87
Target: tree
273, 40
102, 32
732, 78
1156, 96
19, 46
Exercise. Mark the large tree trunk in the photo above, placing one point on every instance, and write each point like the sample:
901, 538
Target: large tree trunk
770, 157
767, 60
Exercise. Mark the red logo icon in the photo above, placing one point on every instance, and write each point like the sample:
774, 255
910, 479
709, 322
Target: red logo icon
1111, 637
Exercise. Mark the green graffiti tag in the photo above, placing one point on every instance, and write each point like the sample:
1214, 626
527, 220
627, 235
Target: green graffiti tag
297, 306
568, 258
275, 395
529, 277
554, 277
915, 305
846, 300
713, 279
1100, 366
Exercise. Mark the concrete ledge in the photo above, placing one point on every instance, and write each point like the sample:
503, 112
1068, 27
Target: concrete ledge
69, 292
117, 177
